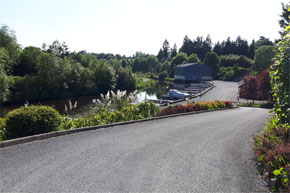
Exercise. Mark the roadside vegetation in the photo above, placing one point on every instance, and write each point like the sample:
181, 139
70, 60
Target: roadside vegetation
272, 147
199, 106
52, 72
110, 108
266, 105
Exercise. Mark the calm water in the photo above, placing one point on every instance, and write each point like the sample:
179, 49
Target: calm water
84, 103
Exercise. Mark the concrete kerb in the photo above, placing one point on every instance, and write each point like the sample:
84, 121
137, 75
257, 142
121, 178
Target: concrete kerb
82, 129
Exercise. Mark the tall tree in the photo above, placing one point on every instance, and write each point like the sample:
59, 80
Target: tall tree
28, 61
211, 60
218, 49
263, 85
193, 58
280, 79
164, 52
173, 52
241, 46
187, 46
285, 18
228, 46
126, 80
8, 41
59, 49
263, 42
248, 90
3, 84
251, 53
264, 56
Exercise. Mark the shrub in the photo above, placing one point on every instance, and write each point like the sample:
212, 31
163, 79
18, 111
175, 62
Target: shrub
190, 107
2, 129
128, 113
31, 120
272, 150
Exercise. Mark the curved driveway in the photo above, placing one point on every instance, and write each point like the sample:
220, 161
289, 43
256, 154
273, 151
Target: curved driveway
207, 152
223, 90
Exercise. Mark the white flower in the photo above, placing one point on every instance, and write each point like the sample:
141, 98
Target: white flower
113, 94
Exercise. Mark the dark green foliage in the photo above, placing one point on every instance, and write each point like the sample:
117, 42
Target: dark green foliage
272, 147
147, 63
211, 59
8, 42
173, 51
163, 75
263, 42
29, 59
252, 50
237, 47
164, 53
103, 77
180, 58
264, 56
4, 84
280, 80
128, 113
126, 80
193, 58
198, 46
231, 60
31, 120
59, 49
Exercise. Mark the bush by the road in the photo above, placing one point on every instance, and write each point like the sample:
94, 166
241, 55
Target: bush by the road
2, 129
272, 150
31, 120
190, 107
128, 113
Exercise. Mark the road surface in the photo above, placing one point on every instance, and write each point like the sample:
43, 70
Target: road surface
225, 91
207, 152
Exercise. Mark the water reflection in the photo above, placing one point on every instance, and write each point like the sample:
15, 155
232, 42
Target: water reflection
85, 104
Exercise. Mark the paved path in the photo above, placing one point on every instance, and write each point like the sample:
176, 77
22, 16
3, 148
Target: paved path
225, 91
208, 152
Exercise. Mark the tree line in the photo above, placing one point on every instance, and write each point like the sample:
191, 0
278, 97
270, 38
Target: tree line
35, 74
52, 71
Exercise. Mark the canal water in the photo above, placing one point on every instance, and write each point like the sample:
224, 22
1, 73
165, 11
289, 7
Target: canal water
84, 104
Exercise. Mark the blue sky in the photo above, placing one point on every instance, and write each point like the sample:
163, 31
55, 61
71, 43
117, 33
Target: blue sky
127, 26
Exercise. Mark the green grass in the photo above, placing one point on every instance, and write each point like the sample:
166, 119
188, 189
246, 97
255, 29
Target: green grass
144, 81
268, 105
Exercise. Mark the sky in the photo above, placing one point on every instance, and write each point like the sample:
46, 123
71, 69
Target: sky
126, 26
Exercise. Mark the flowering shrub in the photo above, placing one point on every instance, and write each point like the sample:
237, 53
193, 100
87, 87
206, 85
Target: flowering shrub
128, 113
190, 107
115, 101
272, 150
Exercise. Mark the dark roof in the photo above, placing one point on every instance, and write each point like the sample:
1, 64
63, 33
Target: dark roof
187, 64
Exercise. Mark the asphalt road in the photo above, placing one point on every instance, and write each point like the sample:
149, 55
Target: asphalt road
207, 152
223, 90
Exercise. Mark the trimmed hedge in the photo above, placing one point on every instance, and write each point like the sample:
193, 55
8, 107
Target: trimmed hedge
31, 120
190, 107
